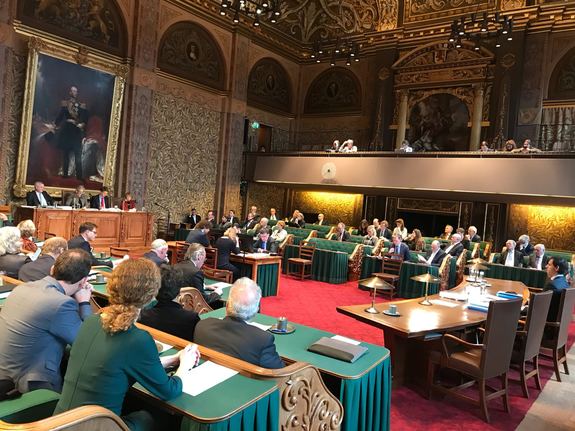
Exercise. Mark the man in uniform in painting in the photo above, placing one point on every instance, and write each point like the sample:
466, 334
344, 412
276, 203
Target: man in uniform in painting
71, 124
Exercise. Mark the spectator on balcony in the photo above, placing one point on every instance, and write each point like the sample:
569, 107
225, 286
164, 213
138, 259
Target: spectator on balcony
348, 147
527, 148
485, 147
510, 146
334, 147
405, 147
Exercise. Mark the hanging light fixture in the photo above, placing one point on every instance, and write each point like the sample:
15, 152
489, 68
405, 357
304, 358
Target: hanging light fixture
338, 49
257, 10
481, 30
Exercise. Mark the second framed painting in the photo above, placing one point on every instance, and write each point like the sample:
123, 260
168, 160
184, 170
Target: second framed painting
71, 119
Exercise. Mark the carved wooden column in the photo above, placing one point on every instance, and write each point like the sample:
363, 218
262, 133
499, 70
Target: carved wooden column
402, 118
475, 138
7, 147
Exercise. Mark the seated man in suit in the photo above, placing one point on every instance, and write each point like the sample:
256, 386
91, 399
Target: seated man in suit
250, 222
193, 276
399, 247
321, 221
384, 231
273, 214
446, 232
262, 225
556, 269
39, 319
434, 256
168, 315
341, 234
88, 233
192, 218
233, 336
199, 234
265, 244
78, 199
38, 197
456, 247
158, 252
472, 234
510, 257
40, 268
524, 245
538, 260
101, 200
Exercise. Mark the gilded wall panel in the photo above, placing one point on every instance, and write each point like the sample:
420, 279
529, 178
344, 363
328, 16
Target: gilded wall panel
182, 167
14, 78
549, 225
266, 196
419, 10
336, 207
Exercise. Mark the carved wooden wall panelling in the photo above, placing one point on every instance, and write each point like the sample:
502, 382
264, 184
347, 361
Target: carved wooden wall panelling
336, 90
310, 20
266, 196
533, 67
337, 207
96, 23
427, 205
189, 51
465, 214
562, 81
269, 86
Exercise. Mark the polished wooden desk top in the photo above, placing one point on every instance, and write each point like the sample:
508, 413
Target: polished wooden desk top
417, 320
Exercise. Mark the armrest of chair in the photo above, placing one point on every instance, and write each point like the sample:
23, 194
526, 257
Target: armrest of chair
521, 322
553, 324
535, 289
458, 341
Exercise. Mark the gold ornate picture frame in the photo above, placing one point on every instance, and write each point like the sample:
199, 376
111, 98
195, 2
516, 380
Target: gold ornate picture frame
72, 109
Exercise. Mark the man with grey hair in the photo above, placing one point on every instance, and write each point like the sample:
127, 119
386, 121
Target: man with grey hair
340, 233
158, 252
193, 276
233, 336
472, 234
456, 247
524, 246
434, 256
538, 260
510, 256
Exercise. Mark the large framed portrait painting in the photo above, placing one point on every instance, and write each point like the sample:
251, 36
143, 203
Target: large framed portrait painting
70, 120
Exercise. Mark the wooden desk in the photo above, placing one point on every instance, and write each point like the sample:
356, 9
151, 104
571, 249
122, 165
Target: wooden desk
262, 268
115, 228
410, 335
363, 388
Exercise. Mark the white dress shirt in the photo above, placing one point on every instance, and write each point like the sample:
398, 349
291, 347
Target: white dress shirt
42, 199
510, 260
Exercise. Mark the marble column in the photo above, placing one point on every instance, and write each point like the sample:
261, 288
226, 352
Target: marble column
475, 138
402, 118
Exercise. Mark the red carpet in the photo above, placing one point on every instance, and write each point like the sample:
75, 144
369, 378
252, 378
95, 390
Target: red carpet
313, 303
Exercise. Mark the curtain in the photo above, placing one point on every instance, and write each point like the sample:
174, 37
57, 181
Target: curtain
557, 131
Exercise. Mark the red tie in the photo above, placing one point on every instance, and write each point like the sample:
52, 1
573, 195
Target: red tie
102, 204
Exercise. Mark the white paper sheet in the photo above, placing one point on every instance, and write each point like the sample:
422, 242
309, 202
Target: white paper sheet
204, 377
458, 296
346, 340
257, 255
259, 325
4, 295
164, 346
219, 284
444, 303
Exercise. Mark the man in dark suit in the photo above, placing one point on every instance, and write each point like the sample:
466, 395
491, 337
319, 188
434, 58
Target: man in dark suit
456, 247
321, 220
472, 234
254, 211
250, 222
101, 200
341, 234
434, 256
39, 319
556, 269
400, 248
265, 244
40, 268
38, 197
158, 252
384, 231
192, 218
233, 336
232, 219
538, 260
193, 276
88, 233
524, 245
510, 257
168, 315
199, 234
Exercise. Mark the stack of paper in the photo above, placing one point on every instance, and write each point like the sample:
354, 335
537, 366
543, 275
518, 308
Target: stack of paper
204, 377
458, 296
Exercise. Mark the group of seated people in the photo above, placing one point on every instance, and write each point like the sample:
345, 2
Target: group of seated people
78, 199
510, 147
347, 147
51, 309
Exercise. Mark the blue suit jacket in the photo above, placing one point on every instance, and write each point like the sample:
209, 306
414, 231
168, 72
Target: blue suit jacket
403, 250
37, 321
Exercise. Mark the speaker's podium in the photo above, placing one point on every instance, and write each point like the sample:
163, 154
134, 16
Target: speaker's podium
115, 228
